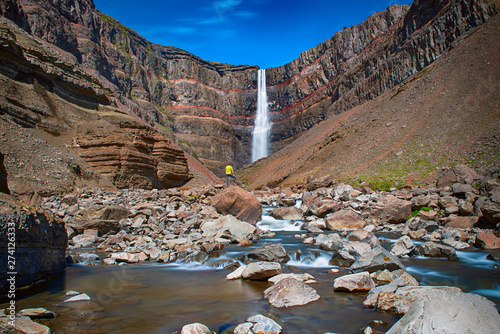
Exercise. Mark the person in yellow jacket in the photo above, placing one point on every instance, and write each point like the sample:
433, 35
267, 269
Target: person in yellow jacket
230, 173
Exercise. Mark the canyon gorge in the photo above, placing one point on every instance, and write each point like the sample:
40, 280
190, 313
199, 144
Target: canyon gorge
109, 98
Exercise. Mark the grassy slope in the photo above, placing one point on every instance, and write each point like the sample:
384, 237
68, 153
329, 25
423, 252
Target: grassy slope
447, 114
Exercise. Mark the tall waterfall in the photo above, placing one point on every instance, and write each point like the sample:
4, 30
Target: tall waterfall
260, 136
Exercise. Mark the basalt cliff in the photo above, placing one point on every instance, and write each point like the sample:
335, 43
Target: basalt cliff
116, 108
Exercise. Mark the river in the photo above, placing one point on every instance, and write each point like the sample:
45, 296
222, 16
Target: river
160, 298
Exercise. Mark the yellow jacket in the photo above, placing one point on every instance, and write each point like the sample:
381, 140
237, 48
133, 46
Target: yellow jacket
229, 170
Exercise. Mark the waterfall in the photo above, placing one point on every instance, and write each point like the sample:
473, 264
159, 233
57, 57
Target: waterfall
260, 136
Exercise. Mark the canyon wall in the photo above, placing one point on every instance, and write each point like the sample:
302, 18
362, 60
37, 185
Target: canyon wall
208, 108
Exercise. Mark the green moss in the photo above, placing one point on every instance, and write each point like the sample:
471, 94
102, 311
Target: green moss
416, 212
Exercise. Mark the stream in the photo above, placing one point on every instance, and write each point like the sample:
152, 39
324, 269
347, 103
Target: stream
155, 297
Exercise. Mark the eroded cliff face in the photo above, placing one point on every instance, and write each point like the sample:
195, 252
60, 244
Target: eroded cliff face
208, 108
363, 61
59, 129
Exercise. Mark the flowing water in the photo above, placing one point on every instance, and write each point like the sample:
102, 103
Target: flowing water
260, 136
161, 298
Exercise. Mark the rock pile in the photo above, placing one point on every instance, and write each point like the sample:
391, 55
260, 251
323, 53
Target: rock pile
164, 226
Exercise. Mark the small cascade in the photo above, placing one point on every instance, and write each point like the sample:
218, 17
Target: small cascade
260, 136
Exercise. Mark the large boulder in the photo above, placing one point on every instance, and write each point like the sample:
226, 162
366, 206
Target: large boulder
290, 292
354, 282
329, 242
344, 219
444, 312
270, 252
261, 271
458, 174
485, 240
391, 210
377, 259
288, 213
403, 246
40, 243
258, 324
239, 203
432, 249
227, 229
195, 328
21, 325
104, 218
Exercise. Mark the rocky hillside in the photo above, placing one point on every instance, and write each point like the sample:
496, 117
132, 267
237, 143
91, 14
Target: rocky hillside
443, 115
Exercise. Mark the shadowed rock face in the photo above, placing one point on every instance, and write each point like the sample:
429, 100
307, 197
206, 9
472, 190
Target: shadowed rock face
40, 243
210, 106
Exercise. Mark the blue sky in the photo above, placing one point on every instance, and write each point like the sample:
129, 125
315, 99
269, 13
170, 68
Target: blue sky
266, 33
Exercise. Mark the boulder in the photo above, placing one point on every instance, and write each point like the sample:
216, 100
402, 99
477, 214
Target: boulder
364, 236
442, 313
227, 228
125, 257
342, 192
354, 282
290, 292
329, 242
403, 298
344, 219
391, 210
40, 243
403, 246
258, 324
288, 213
270, 252
239, 203
491, 207
461, 222
301, 277
458, 174
433, 249
486, 240
325, 207
37, 313
377, 259
22, 324
261, 271
237, 274
195, 328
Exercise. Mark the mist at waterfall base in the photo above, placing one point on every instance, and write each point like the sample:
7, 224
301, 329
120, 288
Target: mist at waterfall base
162, 297
260, 135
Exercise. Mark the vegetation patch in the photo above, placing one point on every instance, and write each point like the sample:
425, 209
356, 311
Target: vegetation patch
416, 212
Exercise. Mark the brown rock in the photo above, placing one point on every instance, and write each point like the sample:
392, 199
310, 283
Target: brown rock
485, 240
288, 213
461, 222
344, 219
392, 210
458, 174
239, 203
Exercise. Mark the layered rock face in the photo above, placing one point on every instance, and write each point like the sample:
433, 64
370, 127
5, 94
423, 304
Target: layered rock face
131, 154
209, 106
36, 247
60, 131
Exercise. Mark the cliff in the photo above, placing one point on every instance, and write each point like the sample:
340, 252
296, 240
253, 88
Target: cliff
208, 108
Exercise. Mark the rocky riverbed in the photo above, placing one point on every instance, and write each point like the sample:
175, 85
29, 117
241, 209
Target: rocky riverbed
296, 255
